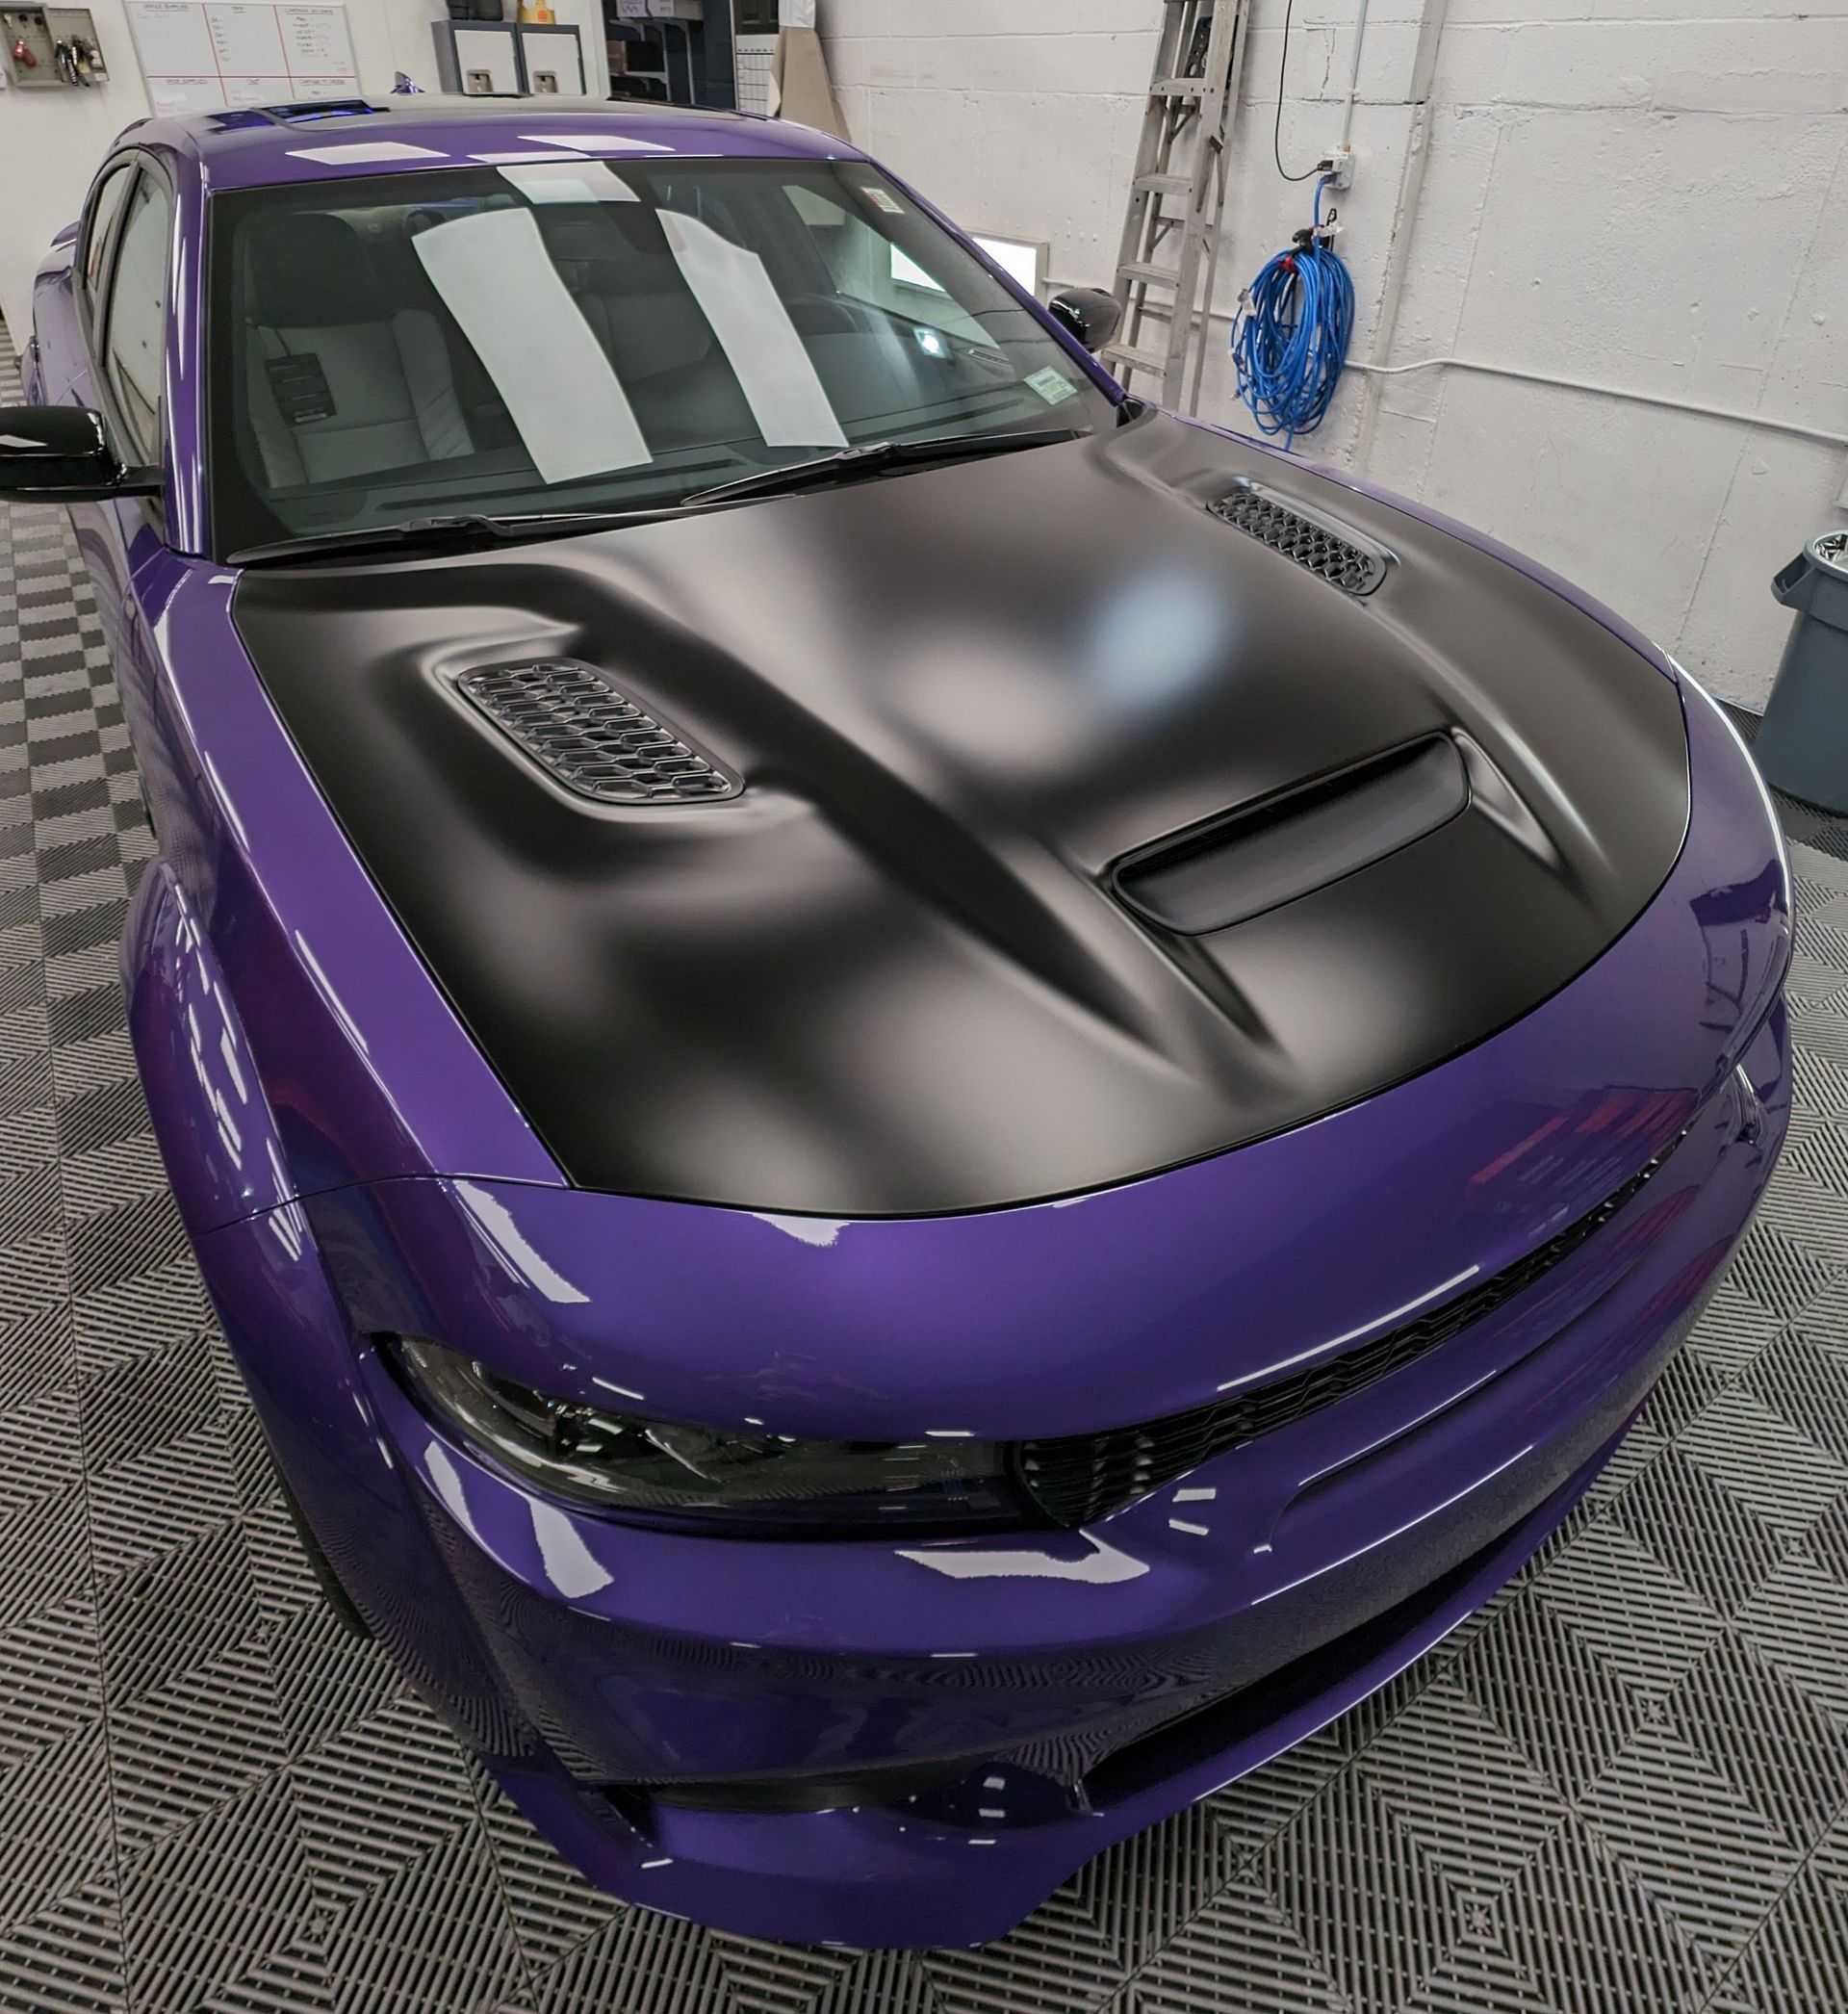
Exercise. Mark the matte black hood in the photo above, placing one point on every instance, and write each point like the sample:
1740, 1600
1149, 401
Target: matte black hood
938, 952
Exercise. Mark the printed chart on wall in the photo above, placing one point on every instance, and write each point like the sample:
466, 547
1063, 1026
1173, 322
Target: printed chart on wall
211, 54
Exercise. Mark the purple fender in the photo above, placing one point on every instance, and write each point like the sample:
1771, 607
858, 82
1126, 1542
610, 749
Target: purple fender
224, 1155
367, 1071
216, 1133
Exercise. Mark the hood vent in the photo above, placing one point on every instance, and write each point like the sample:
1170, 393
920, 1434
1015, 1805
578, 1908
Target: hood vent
573, 722
1263, 855
1339, 554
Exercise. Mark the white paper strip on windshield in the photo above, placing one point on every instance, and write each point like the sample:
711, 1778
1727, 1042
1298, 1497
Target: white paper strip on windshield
599, 143
754, 329
567, 181
358, 150
498, 280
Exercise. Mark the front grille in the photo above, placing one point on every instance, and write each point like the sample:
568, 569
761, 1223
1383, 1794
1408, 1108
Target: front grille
1082, 1476
575, 724
1336, 553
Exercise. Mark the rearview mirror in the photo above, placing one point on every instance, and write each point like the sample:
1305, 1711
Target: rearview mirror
1088, 313
59, 455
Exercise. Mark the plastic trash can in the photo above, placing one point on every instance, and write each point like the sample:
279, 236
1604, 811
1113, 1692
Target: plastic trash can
1802, 744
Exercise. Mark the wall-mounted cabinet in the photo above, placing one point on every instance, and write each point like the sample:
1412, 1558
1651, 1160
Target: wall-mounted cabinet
511, 59
552, 56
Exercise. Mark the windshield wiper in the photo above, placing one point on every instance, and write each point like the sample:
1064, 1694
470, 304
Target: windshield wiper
870, 457
475, 527
443, 534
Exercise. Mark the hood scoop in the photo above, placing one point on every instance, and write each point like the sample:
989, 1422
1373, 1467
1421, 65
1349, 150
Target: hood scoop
1265, 854
574, 722
1341, 555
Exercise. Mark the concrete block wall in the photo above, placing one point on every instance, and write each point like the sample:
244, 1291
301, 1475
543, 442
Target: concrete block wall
1645, 193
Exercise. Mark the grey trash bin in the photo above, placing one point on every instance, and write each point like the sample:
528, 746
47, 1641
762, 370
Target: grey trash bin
1802, 744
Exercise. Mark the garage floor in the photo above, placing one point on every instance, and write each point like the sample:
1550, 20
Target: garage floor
1625, 1787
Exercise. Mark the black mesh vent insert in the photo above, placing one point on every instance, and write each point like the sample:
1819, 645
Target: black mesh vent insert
1340, 555
574, 723
1082, 1476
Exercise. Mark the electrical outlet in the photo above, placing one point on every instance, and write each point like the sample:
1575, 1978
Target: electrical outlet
1337, 165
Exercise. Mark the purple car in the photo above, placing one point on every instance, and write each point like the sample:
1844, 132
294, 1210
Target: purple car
926, 1106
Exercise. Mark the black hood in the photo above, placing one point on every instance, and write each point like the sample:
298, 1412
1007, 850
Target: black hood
1059, 829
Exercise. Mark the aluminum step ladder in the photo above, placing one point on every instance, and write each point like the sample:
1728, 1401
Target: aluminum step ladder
1171, 248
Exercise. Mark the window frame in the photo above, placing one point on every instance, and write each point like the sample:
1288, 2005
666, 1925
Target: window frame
147, 452
96, 302
94, 245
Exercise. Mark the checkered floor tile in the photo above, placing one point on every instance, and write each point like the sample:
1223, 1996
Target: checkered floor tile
1624, 1787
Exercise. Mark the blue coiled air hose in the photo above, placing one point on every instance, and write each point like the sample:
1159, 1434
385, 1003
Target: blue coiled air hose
1290, 337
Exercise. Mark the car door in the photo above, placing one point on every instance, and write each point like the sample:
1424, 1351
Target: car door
126, 257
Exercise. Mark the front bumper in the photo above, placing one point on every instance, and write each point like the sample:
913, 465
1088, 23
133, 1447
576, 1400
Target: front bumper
1088, 1684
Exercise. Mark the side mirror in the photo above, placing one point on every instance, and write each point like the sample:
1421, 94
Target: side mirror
1088, 313
58, 454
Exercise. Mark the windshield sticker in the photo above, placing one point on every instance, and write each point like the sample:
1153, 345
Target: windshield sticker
881, 199
1052, 385
568, 181
738, 298
494, 274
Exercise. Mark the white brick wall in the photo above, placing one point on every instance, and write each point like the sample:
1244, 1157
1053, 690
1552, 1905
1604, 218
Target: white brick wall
1642, 193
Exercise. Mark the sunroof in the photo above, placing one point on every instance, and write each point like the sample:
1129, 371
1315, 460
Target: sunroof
324, 108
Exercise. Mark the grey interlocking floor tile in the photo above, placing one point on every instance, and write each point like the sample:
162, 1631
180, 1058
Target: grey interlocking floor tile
1565, 1705
1794, 1965
1785, 1753
1451, 1777
68, 1956
1709, 1862
356, 1841
1624, 1787
434, 1937
1584, 1929
210, 1900
182, 1749
555, 1909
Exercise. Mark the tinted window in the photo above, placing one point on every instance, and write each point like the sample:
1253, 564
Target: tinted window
102, 213
581, 333
135, 316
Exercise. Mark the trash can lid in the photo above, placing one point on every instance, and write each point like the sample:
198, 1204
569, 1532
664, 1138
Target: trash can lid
1828, 550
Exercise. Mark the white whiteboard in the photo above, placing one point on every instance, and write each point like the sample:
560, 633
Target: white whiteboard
211, 55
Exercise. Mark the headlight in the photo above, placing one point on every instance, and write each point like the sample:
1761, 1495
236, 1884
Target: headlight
618, 1462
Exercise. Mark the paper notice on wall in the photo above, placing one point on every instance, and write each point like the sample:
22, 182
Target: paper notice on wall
218, 55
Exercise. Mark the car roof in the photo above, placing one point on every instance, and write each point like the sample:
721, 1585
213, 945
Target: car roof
331, 139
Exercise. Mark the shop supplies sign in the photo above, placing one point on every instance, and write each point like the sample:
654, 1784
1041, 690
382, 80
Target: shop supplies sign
211, 54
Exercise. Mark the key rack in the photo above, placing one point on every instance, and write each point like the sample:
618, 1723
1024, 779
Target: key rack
51, 48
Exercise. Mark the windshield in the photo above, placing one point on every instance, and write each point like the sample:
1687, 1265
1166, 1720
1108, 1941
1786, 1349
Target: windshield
567, 334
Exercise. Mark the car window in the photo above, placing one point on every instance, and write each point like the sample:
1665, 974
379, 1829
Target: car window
135, 316
103, 207
573, 333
